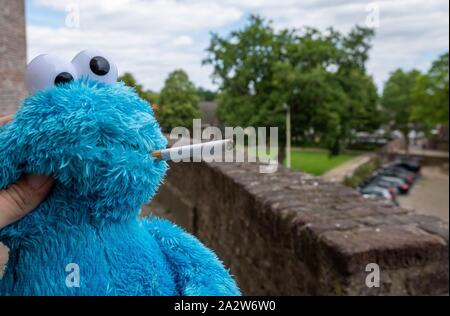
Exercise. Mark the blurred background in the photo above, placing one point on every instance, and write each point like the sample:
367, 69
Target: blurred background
361, 85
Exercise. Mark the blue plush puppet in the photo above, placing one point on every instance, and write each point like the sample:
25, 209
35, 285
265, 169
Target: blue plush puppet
94, 135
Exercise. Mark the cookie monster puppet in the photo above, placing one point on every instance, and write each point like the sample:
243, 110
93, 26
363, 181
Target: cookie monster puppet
94, 135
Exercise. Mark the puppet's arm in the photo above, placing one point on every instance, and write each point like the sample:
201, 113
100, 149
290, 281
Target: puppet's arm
11, 169
197, 269
9, 160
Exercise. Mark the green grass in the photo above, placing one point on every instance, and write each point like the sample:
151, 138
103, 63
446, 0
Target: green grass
316, 161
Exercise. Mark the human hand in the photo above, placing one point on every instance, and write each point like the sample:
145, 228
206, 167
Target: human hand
22, 197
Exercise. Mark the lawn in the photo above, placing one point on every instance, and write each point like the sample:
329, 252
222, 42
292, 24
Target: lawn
316, 161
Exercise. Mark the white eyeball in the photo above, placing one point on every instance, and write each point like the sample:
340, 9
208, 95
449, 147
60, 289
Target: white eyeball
48, 70
95, 65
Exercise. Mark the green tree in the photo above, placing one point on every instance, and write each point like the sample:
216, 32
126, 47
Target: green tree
399, 99
179, 101
206, 95
431, 95
320, 75
148, 95
130, 81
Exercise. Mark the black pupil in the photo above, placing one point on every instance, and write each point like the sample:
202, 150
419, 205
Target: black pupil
63, 77
99, 66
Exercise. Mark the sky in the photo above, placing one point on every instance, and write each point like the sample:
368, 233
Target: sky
151, 38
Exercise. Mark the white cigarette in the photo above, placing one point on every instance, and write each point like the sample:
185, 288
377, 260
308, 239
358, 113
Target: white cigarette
189, 151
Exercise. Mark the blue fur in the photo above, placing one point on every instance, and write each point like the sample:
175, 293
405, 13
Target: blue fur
95, 140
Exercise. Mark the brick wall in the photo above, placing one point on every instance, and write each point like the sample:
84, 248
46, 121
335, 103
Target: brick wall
288, 233
12, 54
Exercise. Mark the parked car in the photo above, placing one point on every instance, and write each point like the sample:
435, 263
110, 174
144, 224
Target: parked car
397, 173
411, 164
392, 187
391, 180
374, 191
401, 184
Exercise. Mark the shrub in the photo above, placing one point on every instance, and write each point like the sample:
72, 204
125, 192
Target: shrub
362, 172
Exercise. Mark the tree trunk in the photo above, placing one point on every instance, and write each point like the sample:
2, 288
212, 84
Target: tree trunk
281, 154
406, 137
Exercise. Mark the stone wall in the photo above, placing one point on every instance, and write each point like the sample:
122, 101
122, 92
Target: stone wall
12, 55
288, 233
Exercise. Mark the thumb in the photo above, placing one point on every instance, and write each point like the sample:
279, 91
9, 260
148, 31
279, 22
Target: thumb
22, 197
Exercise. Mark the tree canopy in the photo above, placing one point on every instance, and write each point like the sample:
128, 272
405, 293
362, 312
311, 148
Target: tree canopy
148, 95
206, 95
320, 75
417, 100
398, 99
179, 101
431, 95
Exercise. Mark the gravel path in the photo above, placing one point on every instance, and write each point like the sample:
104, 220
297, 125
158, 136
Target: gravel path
339, 173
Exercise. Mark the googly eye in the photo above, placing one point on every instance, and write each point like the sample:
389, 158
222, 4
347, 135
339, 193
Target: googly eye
46, 71
95, 65
63, 77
